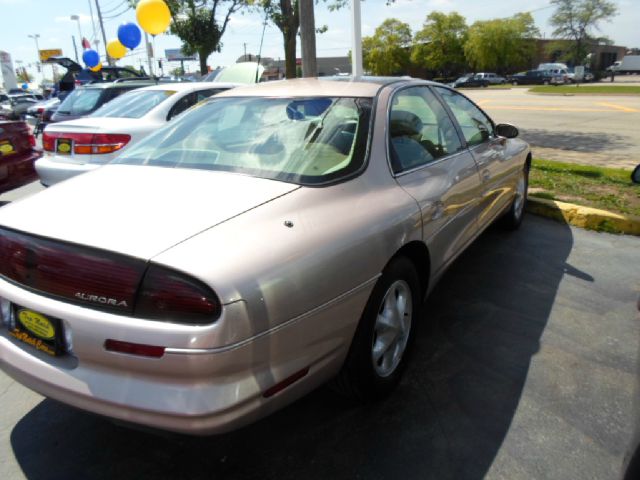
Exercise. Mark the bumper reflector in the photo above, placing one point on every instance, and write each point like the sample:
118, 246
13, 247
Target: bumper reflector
134, 348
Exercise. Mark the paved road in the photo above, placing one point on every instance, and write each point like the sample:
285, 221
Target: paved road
594, 129
525, 367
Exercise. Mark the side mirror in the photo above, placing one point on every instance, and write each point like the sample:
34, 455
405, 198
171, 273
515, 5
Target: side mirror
506, 130
635, 175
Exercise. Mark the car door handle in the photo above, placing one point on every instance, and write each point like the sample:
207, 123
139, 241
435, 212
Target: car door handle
486, 175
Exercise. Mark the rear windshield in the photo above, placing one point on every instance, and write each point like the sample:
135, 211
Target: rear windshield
133, 104
81, 101
298, 140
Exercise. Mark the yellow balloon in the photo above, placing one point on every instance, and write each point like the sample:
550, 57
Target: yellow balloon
153, 16
115, 49
97, 68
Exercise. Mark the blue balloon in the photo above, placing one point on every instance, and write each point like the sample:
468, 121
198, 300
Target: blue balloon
91, 58
25, 86
129, 35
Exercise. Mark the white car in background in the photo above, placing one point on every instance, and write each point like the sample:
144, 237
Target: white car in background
81, 145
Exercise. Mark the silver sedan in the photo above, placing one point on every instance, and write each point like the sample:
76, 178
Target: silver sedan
272, 239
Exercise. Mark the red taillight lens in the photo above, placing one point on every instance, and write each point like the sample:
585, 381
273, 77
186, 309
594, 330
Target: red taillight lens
134, 348
80, 275
32, 140
172, 296
48, 142
87, 143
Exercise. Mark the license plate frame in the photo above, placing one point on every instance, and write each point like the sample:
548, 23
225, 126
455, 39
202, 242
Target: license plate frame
6, 148
53, 345
64, 146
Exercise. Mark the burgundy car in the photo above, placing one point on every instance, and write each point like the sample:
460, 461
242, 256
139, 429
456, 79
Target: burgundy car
17, 155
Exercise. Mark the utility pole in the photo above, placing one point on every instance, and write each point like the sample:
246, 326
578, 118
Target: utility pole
36, 37
104, 37
308, 38
245, 52
356, 40
75, 49
149, 53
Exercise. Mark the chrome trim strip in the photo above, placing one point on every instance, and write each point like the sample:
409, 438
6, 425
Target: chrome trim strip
242, 343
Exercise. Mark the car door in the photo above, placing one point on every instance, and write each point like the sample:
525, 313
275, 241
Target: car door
487, 149
430, 163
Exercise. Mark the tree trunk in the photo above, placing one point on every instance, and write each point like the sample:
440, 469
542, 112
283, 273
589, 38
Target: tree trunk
202, 55
290, 53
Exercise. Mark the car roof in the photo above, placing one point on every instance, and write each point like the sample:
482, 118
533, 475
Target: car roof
188, 86
316, 87
133, 83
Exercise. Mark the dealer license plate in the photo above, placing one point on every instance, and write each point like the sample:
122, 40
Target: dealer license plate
40, 331
64, 146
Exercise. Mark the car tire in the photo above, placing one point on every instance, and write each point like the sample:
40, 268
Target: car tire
513, 217
374, 364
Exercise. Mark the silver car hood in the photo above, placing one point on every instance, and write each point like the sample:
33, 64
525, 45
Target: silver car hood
139, 211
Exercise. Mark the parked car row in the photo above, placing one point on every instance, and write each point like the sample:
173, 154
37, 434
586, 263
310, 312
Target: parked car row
263, 242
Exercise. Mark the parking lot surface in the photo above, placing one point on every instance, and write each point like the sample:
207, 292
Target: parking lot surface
588, 129
525, 366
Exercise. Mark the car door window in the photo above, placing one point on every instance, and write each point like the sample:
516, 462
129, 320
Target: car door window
181, 105
420, 130
204, 94
476, 126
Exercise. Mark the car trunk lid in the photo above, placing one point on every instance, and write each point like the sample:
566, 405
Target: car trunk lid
139, 211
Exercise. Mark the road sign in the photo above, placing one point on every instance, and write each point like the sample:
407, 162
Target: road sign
175, 55
579, 73
46, 54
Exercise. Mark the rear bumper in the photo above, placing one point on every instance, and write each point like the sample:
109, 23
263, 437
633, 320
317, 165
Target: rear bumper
18, 170
196, 390
52, 169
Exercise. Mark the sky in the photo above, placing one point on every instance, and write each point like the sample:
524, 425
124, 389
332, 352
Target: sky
51, 20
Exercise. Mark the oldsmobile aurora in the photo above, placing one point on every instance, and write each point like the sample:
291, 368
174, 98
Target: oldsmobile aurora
271, 239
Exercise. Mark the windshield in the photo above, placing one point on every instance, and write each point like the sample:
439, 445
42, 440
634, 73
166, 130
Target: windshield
298, 140
462, 79
81, 101
133, 104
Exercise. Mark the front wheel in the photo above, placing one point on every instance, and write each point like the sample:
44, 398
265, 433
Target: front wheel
513, 218
378, 352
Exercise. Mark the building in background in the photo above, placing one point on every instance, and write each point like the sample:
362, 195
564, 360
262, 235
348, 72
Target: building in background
8, 74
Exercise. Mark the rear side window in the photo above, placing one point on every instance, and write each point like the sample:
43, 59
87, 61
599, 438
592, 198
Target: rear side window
134, 104
476, 126
420, 130
81, 101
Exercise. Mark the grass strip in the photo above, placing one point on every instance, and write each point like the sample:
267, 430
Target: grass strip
588, 89
591, 186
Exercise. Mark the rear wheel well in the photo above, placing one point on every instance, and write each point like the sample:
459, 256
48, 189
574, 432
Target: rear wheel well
418, 253
528, 161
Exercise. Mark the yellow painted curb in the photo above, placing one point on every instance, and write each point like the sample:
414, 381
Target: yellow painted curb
585, 217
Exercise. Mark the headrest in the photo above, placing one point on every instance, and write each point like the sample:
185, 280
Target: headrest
405, 124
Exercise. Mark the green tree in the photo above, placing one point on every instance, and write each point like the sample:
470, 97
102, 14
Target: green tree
387, 52
285, 15
501, 45
197, 24
439, 45
575, 20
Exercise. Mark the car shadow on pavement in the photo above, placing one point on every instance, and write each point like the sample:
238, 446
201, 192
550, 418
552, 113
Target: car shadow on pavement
448, 418
587, 142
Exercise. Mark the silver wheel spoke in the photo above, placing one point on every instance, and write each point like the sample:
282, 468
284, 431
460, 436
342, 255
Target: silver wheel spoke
392, 327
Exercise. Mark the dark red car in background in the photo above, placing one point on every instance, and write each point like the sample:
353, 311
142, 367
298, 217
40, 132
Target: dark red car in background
17, 155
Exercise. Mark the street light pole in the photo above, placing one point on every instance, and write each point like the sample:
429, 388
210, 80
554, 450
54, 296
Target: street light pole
356, 39
77, 19
36, 36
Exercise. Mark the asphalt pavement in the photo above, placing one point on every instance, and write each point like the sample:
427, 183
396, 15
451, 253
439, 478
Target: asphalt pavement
588, 129
525, 366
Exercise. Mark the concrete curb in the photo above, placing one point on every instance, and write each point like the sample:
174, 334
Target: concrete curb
585, 217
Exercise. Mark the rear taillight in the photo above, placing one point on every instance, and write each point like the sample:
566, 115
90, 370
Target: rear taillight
104, 280
87, 143
173, 296
81, 275
32, 140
